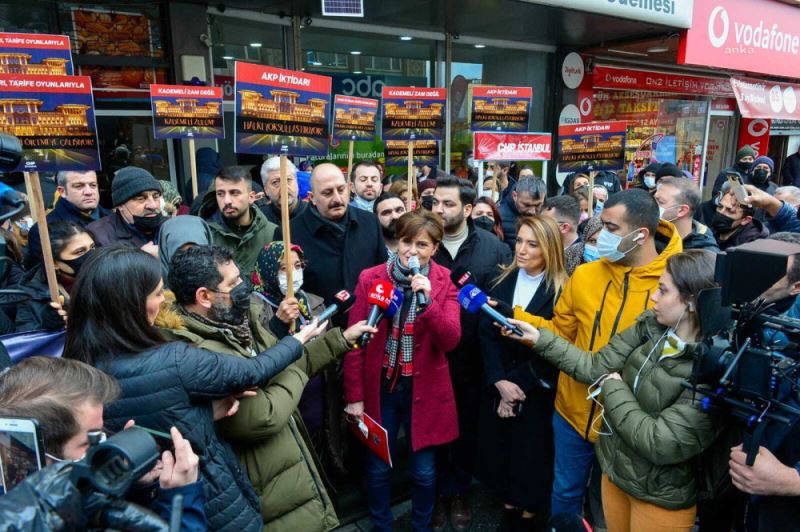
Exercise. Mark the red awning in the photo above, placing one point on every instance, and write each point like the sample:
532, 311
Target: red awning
758, 98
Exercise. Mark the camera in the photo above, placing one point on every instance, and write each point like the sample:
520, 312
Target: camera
739, 372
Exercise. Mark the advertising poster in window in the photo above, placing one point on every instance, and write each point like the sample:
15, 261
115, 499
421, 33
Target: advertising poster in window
413, 113
277, 107
33, 54
354, 118
426, 152
186, 112
53, 117
592, 146
500, 108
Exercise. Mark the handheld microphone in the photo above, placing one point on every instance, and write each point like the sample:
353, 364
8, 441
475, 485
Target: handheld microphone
413, 265
461, 276
472, 299
380, 297
343, 300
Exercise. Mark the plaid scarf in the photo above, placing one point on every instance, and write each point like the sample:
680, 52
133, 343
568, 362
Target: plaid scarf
401, 341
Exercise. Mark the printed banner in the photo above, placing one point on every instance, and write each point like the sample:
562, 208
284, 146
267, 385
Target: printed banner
500, 108
605, 77
426, 152
53, 117
277, 107
34, 54
186, 111
592, 146
766, 99
413, 113
513, 146
354, 118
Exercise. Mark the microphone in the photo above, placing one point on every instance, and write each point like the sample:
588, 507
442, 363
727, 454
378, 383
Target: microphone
380, 297
461, 276
413, 264
343, 300
472, 299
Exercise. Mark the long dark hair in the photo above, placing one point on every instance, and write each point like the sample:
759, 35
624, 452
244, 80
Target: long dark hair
108, 312
61, 233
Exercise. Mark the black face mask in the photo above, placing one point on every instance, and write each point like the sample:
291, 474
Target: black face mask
391, 231
760, 176
427, 202
743, 167
76, 264
240, 304
148, 224
484, 222
721, 223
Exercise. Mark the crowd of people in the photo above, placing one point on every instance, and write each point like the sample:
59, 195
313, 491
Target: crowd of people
193, 325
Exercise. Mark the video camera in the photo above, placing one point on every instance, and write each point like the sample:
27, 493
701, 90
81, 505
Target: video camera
738, 371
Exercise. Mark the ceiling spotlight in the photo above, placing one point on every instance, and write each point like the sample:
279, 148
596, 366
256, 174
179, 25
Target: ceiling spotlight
316, 63
480, 46
255, 44
355, 52
227, 57
659, 49
356, 72
406, 38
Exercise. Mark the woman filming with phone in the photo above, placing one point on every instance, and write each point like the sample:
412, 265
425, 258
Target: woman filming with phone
651, 428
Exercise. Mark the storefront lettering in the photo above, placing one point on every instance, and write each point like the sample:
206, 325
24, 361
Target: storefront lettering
363, 87
748, 37
658, 6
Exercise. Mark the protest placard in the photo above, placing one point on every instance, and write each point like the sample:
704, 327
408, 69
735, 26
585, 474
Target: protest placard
500, 108
592, 146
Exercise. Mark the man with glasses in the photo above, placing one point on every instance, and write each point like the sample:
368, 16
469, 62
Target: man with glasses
214, 310
678, 199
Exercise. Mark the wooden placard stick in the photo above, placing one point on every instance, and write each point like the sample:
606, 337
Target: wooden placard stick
31, 206
37, 205
287, 238
592, 175
349, 159
193, 168
411, 175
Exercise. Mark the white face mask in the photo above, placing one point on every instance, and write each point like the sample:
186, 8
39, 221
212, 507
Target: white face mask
662, 210
297, 281
650, 182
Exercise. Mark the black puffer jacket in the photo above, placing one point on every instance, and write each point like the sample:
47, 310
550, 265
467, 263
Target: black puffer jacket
173, 385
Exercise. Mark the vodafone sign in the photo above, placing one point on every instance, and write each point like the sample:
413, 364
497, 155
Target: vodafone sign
766, 99
752, 35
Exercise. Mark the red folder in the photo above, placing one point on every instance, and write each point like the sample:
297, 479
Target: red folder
373, 435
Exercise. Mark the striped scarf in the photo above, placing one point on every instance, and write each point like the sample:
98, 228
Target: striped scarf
401, 341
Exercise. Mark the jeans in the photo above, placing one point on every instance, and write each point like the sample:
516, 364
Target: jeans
396, 409
574, 459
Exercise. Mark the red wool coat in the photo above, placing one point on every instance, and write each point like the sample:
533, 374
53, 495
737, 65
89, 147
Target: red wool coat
437, 330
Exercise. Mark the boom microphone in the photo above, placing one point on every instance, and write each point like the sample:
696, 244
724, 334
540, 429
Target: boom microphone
343, 300
472, 299
413, 265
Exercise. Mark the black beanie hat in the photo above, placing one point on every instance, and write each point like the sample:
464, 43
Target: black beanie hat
131, 181
668, 169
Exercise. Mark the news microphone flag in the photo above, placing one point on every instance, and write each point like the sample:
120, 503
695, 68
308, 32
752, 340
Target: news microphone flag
473, 300
380, 297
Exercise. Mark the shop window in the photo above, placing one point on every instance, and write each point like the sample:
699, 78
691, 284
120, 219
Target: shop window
28, 17
236, 39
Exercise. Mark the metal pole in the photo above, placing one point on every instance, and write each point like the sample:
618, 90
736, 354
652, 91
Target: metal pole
448, 124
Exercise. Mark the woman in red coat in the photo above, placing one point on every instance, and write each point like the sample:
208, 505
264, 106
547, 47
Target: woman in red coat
402, 375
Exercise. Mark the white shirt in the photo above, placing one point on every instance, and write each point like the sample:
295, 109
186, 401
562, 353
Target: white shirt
526, 287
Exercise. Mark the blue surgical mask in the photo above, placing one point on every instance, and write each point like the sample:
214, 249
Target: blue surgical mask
649, 182
590, 253
607, 244
598, 208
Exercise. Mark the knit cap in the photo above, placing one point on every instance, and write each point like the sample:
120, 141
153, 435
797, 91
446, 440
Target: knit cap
131, 181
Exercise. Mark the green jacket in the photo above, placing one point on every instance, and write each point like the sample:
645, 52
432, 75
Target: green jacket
267, 432
658, 428
245, 246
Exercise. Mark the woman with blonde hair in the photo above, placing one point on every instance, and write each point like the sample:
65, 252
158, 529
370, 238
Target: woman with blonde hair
515, 442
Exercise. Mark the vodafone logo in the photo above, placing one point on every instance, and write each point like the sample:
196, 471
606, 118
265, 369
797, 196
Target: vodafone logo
758, 127
586, 106
718, 39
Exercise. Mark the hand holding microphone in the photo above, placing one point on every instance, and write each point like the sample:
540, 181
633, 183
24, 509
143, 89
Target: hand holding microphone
380, 298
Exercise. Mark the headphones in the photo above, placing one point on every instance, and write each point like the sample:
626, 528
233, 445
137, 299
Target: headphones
691, 306
638, 237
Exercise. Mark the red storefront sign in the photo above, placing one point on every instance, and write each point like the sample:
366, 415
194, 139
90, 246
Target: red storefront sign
751, 35
606, 77
755, 133
513, 146
766, 99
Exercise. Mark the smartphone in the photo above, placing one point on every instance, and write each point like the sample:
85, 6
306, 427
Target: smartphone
737, 186
21, 450
163, 440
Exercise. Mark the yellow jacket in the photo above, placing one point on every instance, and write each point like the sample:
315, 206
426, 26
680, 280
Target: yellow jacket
600, 299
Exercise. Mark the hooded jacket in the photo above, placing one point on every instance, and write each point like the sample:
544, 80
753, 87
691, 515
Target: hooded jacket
599, 300
701, 237
657, 427
752, 231
267, 433
176, 233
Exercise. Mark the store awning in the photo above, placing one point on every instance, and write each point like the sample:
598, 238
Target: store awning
758, 98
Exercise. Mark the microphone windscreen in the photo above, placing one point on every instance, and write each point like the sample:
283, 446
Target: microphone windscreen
395, 304
471, 298
413, 262
380, 294
344, 300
